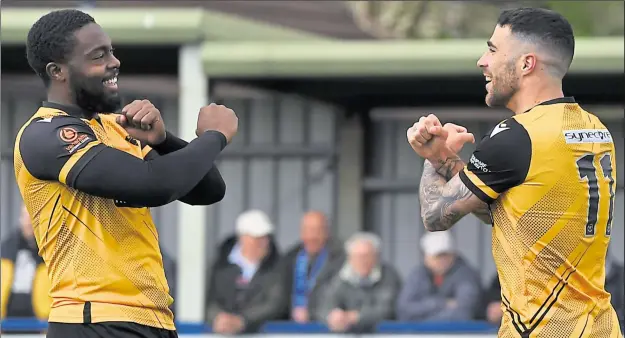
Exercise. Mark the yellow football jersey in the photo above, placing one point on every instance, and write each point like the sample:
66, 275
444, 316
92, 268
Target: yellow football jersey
549, 176
103, 257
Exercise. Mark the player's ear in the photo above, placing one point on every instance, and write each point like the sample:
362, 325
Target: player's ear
55, 72
528, 63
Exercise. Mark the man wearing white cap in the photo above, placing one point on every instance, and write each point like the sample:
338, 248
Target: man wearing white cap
444, 288
245, 289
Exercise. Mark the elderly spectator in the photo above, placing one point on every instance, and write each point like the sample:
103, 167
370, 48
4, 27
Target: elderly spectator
364, 291
310, 265
444, 288
245, 287
615, 284
24, 275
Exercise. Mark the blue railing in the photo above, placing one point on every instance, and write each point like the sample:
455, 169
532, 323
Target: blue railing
32, 325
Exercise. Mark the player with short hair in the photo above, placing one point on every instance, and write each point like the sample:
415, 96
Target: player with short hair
545, 178
88, 178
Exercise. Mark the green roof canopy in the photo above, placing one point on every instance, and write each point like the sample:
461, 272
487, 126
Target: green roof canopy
238, 47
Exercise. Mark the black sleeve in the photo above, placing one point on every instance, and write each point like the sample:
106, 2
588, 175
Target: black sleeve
172, 143
136, 182
52, 148
500, 162
211, 188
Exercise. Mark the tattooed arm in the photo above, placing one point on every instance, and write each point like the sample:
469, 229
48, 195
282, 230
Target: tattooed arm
444, 197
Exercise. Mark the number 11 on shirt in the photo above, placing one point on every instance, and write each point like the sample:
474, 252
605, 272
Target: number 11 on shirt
587, 170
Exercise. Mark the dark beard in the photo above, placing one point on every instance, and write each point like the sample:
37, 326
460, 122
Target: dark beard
89, 95
96, 103
506, 88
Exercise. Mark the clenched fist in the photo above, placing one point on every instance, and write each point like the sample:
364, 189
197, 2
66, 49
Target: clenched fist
219, 118
143, 121
434, 142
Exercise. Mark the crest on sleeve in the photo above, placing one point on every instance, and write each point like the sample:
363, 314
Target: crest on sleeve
72, 140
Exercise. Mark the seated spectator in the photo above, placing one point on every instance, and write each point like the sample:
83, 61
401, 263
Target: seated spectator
310, 265
364, 291
444, 288
615, 284
493, 311
245, 287
25, 284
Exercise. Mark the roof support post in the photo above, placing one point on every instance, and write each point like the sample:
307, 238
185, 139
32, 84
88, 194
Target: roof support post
191, 220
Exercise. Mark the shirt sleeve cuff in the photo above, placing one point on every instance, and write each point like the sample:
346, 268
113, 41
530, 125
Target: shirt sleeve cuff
474, 188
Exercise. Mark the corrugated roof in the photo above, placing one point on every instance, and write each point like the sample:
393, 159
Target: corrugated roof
326, 18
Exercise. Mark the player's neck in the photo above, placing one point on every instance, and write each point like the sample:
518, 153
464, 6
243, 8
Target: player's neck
59, 98
534, 94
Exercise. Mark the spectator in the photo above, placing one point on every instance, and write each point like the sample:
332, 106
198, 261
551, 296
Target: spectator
310, 265
24, 275
364, 291
493, 312
246, 288
444, 288
614, 284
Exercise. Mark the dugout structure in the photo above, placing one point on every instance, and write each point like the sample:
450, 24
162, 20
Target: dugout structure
322, 122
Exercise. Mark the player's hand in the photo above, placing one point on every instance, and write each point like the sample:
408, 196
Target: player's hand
219, 118
422, 140
434, 142
143, 121
457, 136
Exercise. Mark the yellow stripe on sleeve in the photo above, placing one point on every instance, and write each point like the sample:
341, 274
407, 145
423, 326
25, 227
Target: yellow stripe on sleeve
480, 185
73, 160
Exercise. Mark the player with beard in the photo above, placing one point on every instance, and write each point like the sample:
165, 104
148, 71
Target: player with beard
88, 178
544, 178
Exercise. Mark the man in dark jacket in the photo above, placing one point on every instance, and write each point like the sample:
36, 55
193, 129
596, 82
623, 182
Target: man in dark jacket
364, 291
246, 289
444, 288
310, 266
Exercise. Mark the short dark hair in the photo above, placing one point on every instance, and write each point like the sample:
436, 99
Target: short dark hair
51, 39
544, 27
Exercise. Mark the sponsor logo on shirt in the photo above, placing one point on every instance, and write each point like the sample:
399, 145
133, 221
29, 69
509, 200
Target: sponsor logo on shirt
587, 136
72, 139
479, 165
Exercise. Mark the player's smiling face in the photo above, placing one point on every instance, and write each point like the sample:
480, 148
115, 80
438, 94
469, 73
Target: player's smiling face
498, 65
93, 71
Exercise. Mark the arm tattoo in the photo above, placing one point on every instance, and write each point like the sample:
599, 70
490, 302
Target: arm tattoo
444, 203
449, 167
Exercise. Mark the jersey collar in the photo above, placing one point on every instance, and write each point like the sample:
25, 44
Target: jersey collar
566, 99
70, 110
